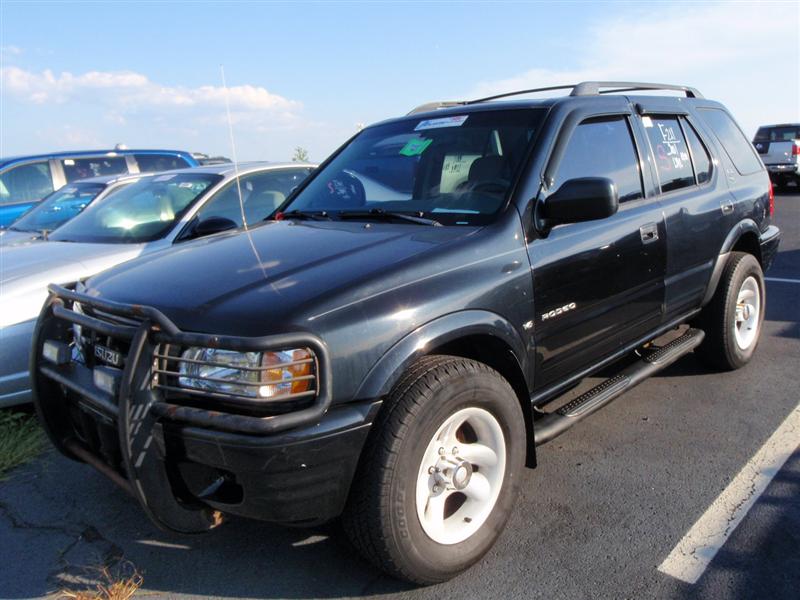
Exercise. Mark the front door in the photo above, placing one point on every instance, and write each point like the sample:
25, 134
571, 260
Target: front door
598, 285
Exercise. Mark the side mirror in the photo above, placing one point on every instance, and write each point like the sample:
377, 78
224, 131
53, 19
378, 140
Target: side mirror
212, 225
580, 199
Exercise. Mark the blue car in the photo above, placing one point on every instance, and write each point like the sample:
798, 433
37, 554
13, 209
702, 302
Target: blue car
26, 180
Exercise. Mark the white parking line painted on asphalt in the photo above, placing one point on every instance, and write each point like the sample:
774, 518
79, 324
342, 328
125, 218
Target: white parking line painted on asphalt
782, 279
689, 559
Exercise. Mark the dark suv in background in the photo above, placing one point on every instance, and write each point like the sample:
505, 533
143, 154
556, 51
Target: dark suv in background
393, 346
25, 180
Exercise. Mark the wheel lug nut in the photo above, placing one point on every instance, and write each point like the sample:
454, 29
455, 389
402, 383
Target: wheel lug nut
455, 449
442, 451
437, 489
431, 470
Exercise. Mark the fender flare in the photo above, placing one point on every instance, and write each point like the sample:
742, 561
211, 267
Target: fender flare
736, 232
390, 366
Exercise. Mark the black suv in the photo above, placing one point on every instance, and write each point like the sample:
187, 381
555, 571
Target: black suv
393, 345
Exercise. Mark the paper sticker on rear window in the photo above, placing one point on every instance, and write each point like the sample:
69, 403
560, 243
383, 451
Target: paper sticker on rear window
442, 122
415, 147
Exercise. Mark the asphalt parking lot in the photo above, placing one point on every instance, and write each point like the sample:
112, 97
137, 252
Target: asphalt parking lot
607, 505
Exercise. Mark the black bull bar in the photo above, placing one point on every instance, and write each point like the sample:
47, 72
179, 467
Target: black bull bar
138, 410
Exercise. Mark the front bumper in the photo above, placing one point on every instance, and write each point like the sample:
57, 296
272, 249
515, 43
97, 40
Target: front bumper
769, 240
187, 464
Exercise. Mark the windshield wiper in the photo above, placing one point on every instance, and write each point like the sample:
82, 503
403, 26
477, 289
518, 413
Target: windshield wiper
379, 213
305, 214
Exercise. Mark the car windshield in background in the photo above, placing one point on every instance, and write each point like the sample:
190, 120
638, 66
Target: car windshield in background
58, 208
456, 170
141, 212
778, 134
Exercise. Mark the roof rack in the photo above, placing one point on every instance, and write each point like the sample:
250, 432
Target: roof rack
429, 106
584, 88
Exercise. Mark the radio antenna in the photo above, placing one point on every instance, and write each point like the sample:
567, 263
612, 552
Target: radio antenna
233, 146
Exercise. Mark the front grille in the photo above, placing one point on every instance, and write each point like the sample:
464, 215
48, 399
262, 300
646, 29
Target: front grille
93, 348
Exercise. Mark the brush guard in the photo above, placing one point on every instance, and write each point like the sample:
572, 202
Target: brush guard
137, 410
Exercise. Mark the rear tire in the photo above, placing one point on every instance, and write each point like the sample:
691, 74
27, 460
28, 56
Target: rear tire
423, 525
732, 320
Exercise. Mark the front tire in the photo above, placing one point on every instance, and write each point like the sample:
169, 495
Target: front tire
440, 471
732, 320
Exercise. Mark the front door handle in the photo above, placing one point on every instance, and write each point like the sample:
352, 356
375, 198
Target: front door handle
649, 233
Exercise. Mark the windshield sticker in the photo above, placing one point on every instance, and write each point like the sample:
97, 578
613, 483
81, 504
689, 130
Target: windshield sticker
460, 211
163, 177
186, 185
415, 147
647, 121
443, 122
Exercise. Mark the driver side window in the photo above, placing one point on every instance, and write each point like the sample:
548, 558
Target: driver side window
603, 147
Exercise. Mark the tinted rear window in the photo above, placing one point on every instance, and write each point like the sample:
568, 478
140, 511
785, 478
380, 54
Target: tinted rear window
734, 142
151, 163
781, 133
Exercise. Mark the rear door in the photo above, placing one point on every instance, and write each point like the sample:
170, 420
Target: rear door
598, 285
698, 207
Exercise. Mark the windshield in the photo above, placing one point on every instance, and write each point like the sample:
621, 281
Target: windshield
457, 169
58, 208
141, 212
785, 133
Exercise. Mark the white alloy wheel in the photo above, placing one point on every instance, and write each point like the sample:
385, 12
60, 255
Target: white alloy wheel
748, 313
460, 476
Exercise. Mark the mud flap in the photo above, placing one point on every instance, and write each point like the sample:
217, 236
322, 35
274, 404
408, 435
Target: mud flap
143, 456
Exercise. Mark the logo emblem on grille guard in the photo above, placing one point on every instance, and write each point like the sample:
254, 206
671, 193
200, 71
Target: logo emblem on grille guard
107, 355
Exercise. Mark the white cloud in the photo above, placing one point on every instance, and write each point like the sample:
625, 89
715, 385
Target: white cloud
744, 55
7, 51
130, 90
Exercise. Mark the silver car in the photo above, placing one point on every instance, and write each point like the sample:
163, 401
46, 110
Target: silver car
155, 213
62, 205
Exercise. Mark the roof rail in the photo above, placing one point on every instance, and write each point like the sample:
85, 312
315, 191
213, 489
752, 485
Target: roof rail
584, 88
592, 88
429, 106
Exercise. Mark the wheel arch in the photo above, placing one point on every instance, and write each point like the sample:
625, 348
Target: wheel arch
744, 237
480, 335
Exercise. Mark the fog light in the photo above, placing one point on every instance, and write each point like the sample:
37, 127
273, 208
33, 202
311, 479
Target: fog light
107, 379
56, 352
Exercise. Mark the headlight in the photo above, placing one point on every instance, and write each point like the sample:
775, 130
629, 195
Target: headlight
263, 375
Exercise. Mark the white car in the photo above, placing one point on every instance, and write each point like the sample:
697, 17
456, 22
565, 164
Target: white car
158, 212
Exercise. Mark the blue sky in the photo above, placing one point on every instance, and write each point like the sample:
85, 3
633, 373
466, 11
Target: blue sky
91, 74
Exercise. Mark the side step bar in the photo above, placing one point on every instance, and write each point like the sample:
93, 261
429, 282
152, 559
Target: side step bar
550, 425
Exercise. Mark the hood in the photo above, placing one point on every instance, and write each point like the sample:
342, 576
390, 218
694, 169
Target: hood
27, 269
249, 283
15, 238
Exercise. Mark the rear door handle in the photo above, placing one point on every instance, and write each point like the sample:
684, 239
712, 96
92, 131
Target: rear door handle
727, 207
649, 233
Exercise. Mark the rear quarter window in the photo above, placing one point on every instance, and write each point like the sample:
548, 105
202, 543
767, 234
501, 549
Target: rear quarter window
733, 141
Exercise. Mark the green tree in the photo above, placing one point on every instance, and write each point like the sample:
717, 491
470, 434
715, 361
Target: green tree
300, 155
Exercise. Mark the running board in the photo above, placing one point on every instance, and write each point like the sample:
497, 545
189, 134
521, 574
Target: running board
550, 425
